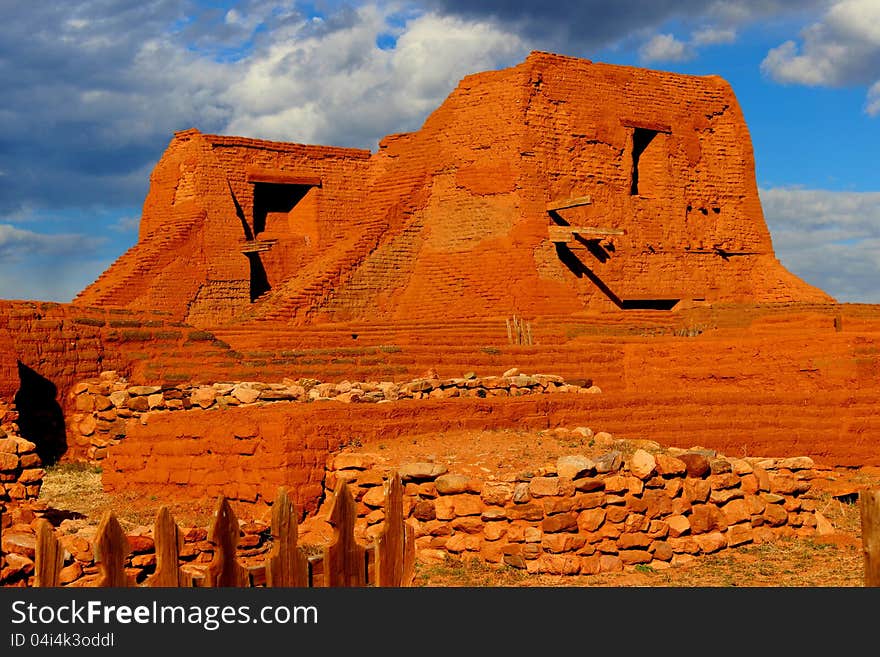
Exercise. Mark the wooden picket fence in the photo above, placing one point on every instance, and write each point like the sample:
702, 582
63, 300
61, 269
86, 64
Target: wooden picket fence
389, 561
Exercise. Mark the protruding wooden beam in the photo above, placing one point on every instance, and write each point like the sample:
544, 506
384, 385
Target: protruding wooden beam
566, 233
562, 204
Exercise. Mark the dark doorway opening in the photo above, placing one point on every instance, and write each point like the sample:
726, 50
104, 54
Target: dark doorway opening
648, 304
271, 198
40, 419
642, 138
259, 280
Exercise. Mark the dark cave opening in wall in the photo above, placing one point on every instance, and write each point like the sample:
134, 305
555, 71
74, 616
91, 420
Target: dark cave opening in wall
40, 418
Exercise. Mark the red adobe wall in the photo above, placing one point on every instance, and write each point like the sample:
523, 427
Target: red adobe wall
452, 221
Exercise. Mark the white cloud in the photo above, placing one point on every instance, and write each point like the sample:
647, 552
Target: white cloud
842, 48
710, 36
665, 48
829, 238
339, 87
668, 48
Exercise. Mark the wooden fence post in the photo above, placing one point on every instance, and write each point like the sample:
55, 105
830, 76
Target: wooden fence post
168, 540
224, 569
345, 562
49, 557
395, 546
869, 507
286, 564
111, 548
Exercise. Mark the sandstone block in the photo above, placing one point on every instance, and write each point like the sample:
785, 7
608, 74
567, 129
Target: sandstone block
632, 557
670, 466
421, 470
739, 534
590, 520
561, 522
450, 484
642, 464
543, 486
711, 542
678, 525
497, 492
574, 466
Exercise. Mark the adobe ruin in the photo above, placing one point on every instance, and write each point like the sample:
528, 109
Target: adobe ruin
553, 187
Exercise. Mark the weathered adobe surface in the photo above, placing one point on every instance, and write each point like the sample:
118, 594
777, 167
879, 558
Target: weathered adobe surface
105, 407
743, 380
452, 221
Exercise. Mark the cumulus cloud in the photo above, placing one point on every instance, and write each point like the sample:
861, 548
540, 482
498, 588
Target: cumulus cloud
842, 48
829, 238
664, 48
340, 87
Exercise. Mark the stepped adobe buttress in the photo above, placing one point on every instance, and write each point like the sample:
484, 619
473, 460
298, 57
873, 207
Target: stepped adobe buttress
553, 187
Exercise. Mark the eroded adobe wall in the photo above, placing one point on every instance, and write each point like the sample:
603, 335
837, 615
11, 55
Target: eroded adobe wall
452, 221
102, 410
475, 181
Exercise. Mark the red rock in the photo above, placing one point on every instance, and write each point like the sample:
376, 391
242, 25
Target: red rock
670, 466
627, 541
450, 484
69, 573
561, 522
711, 542
678, 525
497, 492
736, 511
20, 543
8, 462
631, 557
424, 510
661, 550
706, 518
739, 534
696, 490
590, 520
140, 544
544, 486
697, 465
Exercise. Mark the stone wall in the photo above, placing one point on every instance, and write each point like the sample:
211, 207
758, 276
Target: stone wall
103, 408
21, 474
619, 508
590, 514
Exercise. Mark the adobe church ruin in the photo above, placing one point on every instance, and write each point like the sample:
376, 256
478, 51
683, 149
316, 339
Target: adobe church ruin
555, 186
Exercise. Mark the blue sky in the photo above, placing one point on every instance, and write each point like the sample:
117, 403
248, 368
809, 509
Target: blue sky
93, 91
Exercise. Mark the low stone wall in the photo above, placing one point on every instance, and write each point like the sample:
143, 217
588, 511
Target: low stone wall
21, 474
104, 407
591, 514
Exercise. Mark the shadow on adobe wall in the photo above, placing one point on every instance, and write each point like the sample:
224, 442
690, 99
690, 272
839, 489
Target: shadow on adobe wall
40, 419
